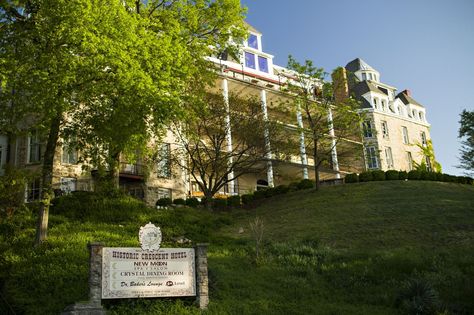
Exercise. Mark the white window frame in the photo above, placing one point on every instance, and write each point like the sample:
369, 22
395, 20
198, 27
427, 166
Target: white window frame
389, 157
385, 132
34, 136
69, 154
163, 165
424, 141
368, 129
410, 161
406, 138
372, 158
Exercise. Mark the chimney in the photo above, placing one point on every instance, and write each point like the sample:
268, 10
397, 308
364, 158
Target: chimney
340, 85
407, 92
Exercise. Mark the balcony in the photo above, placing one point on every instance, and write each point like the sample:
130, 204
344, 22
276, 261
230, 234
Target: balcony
132, 171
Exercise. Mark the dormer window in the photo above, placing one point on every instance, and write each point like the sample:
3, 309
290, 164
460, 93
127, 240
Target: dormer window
252, 41
422, 117
262, 64
250, 60
364, 76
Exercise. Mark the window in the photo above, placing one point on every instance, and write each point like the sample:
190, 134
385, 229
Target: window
69, 154
364, 76
422, 116
136, 192
384, 106
164, 161
428, 164
400, 112
250, 60
410, 161
423, 138
367, 126
68, 184
372, 161
262, 64
384, 129
376, 103
164, 193
253, 41
34, 148
370, 76
33, 191
262, 184
406, 140
389, 157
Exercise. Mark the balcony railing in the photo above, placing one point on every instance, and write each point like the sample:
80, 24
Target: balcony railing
127, 169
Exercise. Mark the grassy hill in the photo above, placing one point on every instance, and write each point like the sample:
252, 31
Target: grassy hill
355, 249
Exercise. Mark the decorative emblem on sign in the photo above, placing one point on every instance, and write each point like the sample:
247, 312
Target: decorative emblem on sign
150, 237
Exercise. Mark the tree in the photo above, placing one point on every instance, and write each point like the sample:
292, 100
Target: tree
329, 123
112, 63
466, 131
209, 157
427, 151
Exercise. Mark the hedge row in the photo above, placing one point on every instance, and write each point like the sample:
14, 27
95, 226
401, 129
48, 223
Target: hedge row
402, 175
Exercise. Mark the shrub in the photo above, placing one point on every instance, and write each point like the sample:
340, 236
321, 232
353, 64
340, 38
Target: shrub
233, 201
192, 202
424, 175
281, 189
431, 176
438, 177
392, 175
306, 184
414, 174
351, 178
417, 296
293, 186
247, 199
269, 192
378, 175
179, 201
366, 177
163, 202
219, 204
402, 175
259, 194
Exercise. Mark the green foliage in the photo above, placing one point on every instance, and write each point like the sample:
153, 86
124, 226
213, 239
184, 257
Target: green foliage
306, 184
414, 175
378, 175
12, 190
233, 201
179, 201
402, 175
366, 176
247, 199
192, 202
281, 189
259, 194
418, 297
164, 202
219, 204
466, 132
391, 175
351, 178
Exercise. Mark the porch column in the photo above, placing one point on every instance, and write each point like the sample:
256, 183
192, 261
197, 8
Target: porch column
335, 163
304, 157
263, 97
225, 94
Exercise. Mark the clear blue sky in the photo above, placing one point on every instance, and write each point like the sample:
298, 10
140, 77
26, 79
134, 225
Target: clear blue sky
426, 46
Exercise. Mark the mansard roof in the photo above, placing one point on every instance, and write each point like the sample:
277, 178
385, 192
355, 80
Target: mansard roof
358, 64
360, 89
407, 99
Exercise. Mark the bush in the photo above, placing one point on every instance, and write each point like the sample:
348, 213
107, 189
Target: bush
378, 175
351, 178
414, 175
192, 202
293, 186
438, 177
402, 175
233, 201
417, 296
424, 175
179, 201
259, 194
163, 202
306, 184
431, 176
281, 189
366, 177
392, 175
219, 204
247, 199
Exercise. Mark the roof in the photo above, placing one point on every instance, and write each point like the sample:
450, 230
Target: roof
358, 64
360, 89
407, 99
252, 29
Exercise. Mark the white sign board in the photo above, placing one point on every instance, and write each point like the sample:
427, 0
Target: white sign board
137, 273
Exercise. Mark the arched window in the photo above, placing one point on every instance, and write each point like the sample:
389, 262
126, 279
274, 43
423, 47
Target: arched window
262, 184
422, 116
376, 103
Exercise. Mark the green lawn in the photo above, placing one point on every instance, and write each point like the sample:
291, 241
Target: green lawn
343, 250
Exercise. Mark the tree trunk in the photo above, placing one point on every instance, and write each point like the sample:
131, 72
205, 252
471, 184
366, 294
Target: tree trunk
114, 170
47, 180
316, 163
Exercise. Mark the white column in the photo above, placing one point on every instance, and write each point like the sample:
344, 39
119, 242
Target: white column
304, 157
263, 97
225, 94
335, 163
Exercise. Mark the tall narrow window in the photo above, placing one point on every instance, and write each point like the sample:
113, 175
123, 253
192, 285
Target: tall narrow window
389, 157
262, 64
410, 161
253, 41
367, 127
34, 148
33, 191
372, 161
423, 138
164, 161
364, 76
429, 168
385, 129
406, 140
69, 153
250, 60
376, 105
